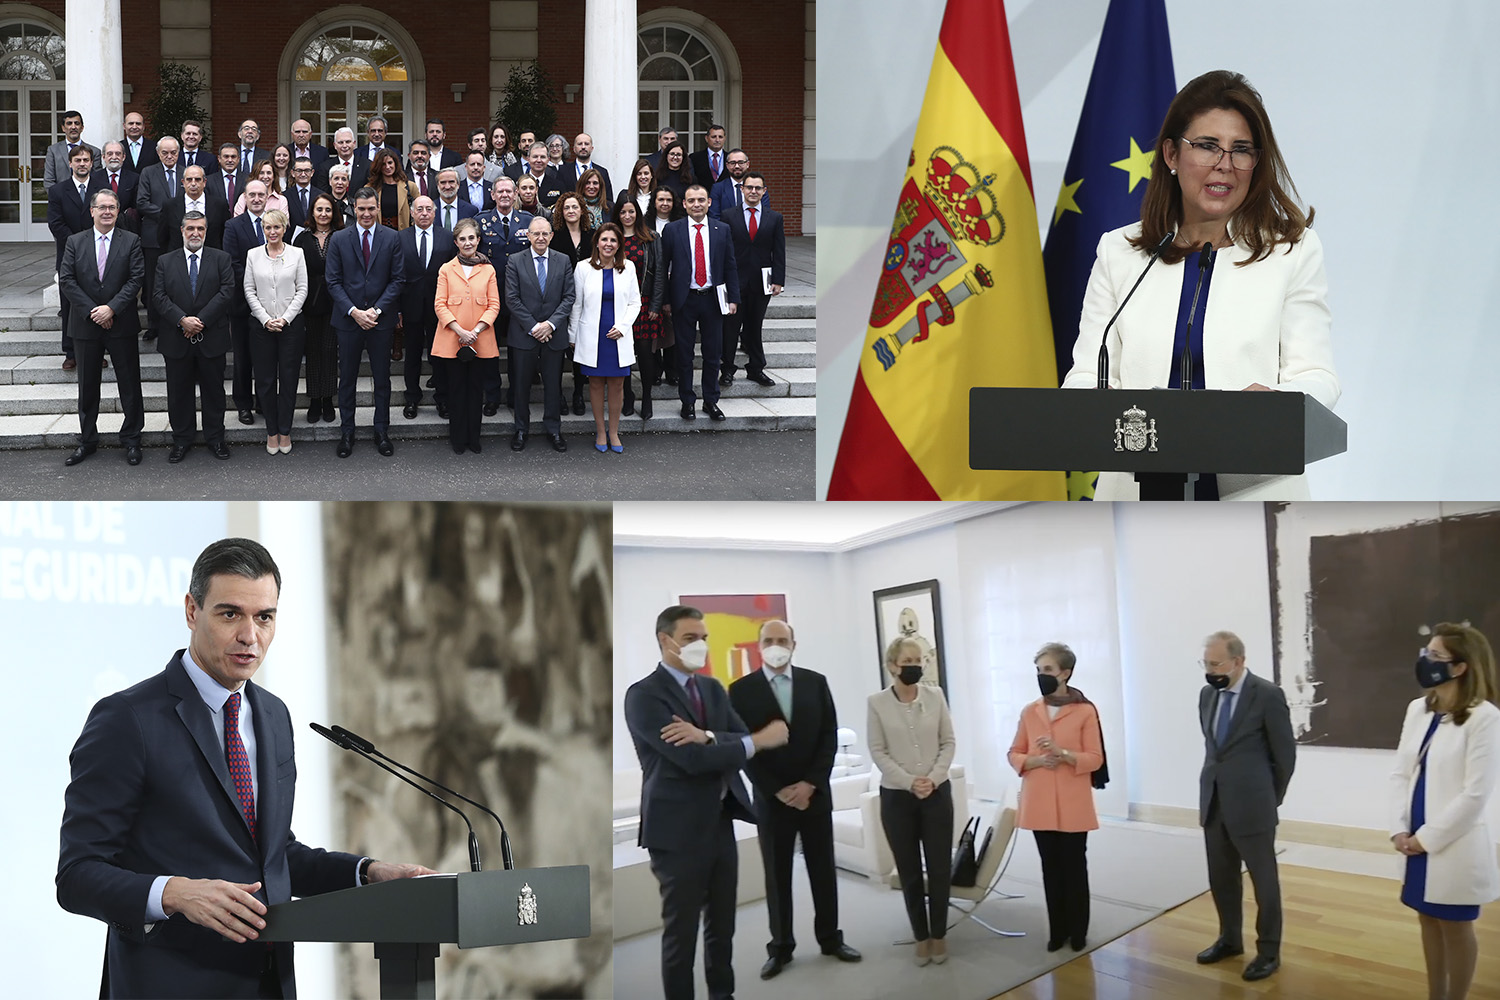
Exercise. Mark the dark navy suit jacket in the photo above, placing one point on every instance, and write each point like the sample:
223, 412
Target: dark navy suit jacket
351, 286
677, 256
151, 795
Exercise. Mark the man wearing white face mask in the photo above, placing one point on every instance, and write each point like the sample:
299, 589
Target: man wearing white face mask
792, 794
691, 746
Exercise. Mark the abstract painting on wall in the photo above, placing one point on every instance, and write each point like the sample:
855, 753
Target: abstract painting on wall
914, 612
734, 622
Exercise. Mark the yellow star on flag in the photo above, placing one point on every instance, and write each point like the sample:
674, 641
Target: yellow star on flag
1065, 202
1137, 164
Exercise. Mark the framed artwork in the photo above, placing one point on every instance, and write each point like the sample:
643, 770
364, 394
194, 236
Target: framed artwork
734, 622
912, 611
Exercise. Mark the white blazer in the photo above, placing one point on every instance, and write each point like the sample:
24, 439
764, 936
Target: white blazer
275, 288
1463, 766
1266, 322
583, 328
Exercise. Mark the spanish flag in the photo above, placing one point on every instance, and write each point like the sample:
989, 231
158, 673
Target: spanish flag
962, 301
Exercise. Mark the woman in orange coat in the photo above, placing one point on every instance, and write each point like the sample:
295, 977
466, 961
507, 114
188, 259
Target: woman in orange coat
1057, 747
468, 300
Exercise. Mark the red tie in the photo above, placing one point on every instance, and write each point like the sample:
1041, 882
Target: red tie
752, 223
367, 249
700, 265
422, 182
696, 699
239, 764
114, 183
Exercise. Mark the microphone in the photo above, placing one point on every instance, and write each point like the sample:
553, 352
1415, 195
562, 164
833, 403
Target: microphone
345, 744
1166, 241
1205, 264
366, 746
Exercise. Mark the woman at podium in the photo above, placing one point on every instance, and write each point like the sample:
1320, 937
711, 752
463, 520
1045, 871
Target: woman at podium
1261, 319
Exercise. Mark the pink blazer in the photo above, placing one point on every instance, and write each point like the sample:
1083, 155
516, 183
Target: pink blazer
1061, 798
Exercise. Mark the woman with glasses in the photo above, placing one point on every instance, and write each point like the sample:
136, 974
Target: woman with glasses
1260, 320
1447, 766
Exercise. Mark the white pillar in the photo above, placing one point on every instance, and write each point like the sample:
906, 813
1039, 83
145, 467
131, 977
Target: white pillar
95, 83
609, 85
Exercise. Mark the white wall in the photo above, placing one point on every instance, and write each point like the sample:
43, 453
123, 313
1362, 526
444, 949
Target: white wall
1374, 108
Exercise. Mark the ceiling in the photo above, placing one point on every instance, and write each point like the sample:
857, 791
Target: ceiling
811, 526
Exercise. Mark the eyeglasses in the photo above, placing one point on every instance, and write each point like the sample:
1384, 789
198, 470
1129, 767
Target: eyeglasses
1212, 664
1211, 154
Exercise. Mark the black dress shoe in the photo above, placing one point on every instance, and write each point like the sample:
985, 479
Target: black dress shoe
246, 417
773, 966
726, 380
843, 953
346, 446
761, 378
133, 454
328, 408
383, 444
558, 444
1260, 967
490, 409
149, 335
313, 412
518, 441
474, 447
409, 411
713, 411
579, 407
176, 453
1217, 952
1056, 944
629, 408
688, 413
220, 450
80, 453
645, 407
442, 411
1077, 943
672, 378
431, 382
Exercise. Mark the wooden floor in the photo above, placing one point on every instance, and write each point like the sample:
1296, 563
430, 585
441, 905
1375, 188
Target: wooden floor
1346, 936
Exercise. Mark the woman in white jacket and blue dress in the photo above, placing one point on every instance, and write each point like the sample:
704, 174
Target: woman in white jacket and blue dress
605, 306
1447, 767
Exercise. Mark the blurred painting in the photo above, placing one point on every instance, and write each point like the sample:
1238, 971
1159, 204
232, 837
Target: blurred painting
912, 611
734, 622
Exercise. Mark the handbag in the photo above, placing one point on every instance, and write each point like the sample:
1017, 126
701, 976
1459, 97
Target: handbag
965, 864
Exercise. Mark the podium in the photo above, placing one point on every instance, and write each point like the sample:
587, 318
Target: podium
1167, 437
407, 919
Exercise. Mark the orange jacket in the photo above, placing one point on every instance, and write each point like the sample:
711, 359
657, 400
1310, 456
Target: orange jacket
466, 301
1061, 798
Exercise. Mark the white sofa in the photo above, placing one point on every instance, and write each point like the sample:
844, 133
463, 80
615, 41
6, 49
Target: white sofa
859, 843
627, 805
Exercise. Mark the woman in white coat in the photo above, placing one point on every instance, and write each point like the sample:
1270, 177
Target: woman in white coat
275, 290
1262, 321
1447, 766
605, 306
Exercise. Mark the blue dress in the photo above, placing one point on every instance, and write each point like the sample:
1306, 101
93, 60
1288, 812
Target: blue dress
1415, 887
1207, 485
609, 351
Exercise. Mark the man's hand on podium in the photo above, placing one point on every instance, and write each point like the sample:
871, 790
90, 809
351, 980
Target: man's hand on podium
383, 871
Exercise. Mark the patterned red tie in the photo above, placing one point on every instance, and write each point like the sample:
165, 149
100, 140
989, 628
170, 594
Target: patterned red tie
422, 182
752, 223
239, 764
696, 699
700, 265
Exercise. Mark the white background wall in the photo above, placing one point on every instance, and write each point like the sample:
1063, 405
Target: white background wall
1381, 110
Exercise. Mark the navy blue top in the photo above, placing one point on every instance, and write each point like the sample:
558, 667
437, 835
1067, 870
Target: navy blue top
1207, 486
1414, 888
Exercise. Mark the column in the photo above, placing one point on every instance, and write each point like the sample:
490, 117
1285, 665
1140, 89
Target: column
609, 85
95, 83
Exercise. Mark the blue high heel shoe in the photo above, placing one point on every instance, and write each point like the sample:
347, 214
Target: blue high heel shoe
618, 449
601, 449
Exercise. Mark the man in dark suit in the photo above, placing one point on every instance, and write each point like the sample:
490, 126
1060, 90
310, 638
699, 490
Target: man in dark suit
302, 144
195, 196
691, 745
192, 152
103, 318
67, 214
539, 294
122, 182
792, 792
140, 152
754, 250
194, 290
182, 869
440, 155
725, 196
425, 248
474, 190
231, 177
242, 233
451, 203
708, 163
249, 153
59, 154
418, 169
697, 254
583, 160
548, 185
523, 148
502, 232
375, 143
1249, 756
159, 184
365, 280
301, 192
343, 153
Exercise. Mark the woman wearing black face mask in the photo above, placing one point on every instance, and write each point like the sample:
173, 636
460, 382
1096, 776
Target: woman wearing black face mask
1447, 766
910, 735
1057, 747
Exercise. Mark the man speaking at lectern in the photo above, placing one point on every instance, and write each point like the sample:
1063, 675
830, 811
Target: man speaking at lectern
177, 820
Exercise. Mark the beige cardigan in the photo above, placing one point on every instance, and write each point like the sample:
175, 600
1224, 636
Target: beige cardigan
910, 740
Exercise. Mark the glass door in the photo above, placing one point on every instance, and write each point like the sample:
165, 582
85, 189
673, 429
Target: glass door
28, 125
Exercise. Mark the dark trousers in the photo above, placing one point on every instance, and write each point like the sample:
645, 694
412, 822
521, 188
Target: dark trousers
916, 828
278, 366
779, 828
206, 375
493, 385
465, 381
376, 344
64, 311
743, 329
412, 359
243, 387
701, 880
551, 363
322, 349
1226, 850
1065, 878
147, 289
125, 356
699, 314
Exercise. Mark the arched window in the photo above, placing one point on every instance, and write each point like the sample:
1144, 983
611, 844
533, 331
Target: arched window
348, 74
32, 64
681, 85
30, 51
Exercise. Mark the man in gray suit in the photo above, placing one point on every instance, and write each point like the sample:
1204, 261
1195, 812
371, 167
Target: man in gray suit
539, 292
160, 183
56, 167
1249, 756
